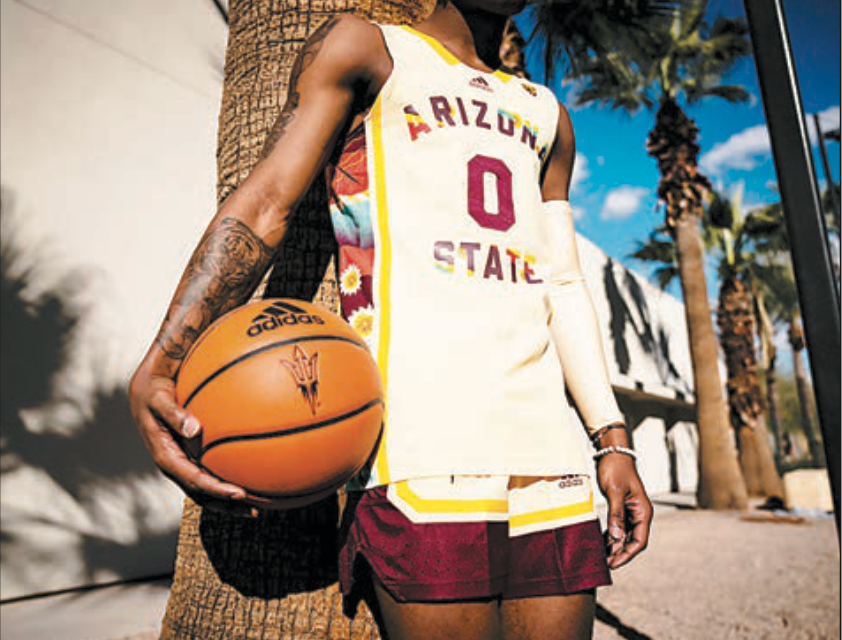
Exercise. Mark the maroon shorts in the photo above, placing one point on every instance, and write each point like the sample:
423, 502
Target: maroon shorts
465, 560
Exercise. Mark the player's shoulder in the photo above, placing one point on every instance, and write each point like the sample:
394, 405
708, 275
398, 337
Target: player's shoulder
540, 93
350, 23
349, 40
535, 89
350, 31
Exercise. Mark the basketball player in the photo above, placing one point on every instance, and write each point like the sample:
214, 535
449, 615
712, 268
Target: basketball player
458, 265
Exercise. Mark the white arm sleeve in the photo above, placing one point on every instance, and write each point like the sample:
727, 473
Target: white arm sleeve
573, 323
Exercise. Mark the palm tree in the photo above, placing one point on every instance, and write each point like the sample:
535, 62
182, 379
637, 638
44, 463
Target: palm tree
768, 364
275, 576
677, 56
729, 232
778, 283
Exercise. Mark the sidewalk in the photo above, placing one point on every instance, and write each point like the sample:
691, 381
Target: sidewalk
124, 612
715, 575
706, 576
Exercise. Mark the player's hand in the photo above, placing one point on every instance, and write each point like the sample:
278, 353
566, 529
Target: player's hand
629, 508
168, 431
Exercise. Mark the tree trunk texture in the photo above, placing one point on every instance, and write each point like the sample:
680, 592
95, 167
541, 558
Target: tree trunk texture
721, 484
773, 402
802, 387
769, 359
273, 577
672, 142
735, 318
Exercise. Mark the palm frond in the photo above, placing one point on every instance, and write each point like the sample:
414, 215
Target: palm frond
630, 53
572, 30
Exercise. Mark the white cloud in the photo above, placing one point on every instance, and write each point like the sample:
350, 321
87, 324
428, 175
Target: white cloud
622, 202
581, 172
744, 150
751, 147
828, 119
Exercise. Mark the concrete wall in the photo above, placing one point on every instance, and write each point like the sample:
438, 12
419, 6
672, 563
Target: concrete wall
108, 118
109, 114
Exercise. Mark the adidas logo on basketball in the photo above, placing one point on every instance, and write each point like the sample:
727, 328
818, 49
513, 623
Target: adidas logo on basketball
279, 314
481, 83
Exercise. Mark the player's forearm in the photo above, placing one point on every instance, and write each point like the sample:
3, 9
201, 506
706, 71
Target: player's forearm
575, 332
574, 326
223, 272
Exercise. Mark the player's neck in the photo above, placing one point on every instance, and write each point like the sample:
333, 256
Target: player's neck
472, 36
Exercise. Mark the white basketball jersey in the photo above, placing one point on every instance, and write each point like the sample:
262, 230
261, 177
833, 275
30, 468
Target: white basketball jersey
435, 203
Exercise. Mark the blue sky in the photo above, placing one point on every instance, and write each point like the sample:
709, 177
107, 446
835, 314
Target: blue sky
615, 180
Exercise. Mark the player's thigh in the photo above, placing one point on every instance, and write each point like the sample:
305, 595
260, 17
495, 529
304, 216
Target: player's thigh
473, 620
569, 617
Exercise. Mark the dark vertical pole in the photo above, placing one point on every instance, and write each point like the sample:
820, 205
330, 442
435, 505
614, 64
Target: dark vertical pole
831, 185
805, 225
220, 7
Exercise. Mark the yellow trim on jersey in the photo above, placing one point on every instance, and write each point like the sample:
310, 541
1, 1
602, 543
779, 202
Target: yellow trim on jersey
448, 505
502, 75
437, 46
548, 515
448, 57
384, 253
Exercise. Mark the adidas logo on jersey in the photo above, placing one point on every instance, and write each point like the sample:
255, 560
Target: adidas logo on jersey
279, 314
481, 83
529, 89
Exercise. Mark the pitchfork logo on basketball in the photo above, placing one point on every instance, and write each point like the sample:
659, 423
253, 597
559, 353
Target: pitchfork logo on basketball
305, 372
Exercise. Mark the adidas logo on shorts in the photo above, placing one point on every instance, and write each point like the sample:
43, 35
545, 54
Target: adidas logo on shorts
278, 314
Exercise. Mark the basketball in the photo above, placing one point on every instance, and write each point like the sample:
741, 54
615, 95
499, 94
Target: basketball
289, 398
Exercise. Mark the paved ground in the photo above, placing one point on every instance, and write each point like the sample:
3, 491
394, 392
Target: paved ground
716, 576
706, 576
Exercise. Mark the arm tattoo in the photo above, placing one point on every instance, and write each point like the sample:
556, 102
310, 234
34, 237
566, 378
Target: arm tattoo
304, 59
223, 272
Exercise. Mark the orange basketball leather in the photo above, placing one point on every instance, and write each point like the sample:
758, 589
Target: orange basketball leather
289, 398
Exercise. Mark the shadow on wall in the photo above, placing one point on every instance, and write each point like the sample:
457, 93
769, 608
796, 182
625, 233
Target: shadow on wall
75, 469
655, 344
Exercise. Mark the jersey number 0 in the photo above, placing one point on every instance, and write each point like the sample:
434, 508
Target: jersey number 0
480, 169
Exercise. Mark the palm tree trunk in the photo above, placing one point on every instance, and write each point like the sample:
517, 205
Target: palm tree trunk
773, 402
721, 485
802, 386
736, 333
672, 142
769, 359
273, 577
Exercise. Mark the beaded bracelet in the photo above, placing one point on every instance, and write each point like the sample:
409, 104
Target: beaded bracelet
613, 449
597, 435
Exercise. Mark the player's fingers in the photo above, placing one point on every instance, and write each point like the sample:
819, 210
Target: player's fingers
616, 516
615, 530
232, 507
173, 416
197, 483
175, 464
639, 513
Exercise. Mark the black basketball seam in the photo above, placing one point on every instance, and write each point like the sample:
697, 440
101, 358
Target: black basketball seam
280, 497
264, 349
295, 496
292, 431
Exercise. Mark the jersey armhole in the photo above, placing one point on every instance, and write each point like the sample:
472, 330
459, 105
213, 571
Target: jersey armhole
386, 89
